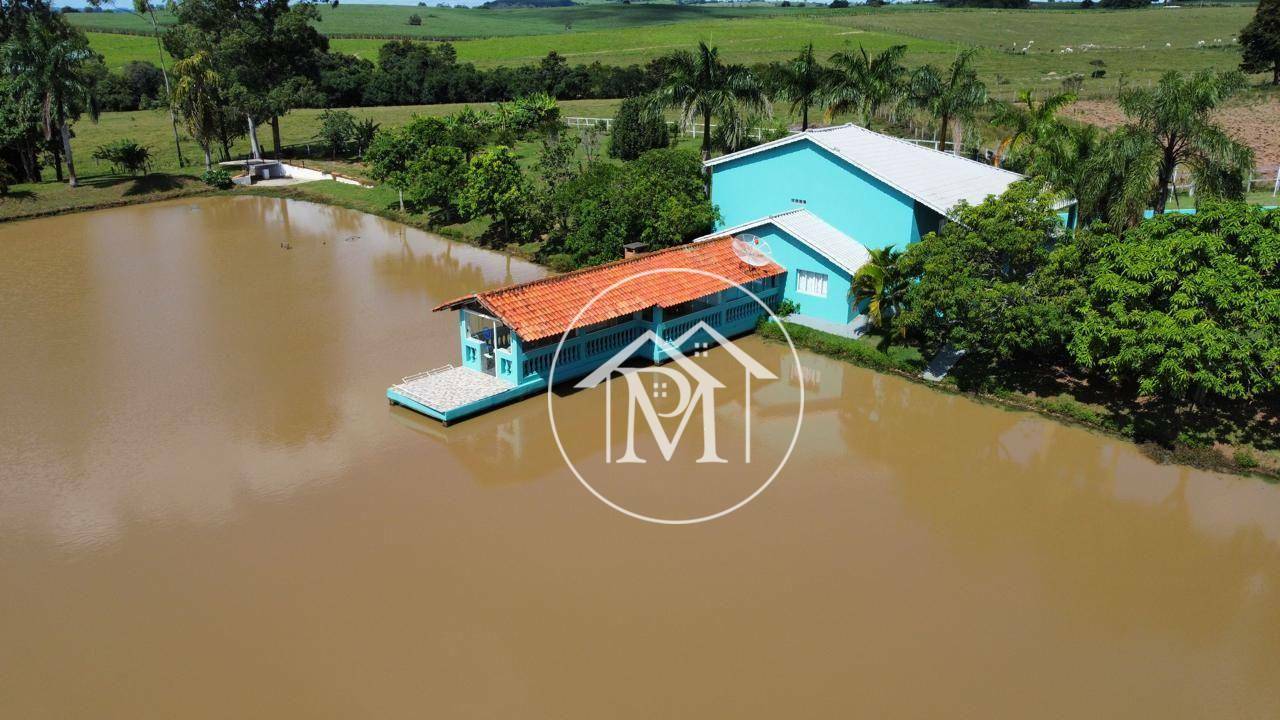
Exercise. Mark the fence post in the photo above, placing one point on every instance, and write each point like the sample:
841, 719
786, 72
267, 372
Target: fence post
1276, 188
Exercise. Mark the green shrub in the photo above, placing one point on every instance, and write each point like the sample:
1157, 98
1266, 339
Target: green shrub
337, 128
125, 155
1068, 406
561, 262
637, 129
787, 307
1245, 459
218, 178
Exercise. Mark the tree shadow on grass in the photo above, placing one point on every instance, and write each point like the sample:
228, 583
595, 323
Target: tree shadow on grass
154, 183
20, 195
104, 181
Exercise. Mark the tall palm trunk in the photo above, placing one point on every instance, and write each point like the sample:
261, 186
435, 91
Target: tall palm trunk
208, 156
804, 117
706, 136
942, 132
1168, 163
173, 119
30, 168
66, 150
275, 136
706, 152
57, 162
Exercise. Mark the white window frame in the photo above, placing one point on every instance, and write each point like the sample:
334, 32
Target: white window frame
806, 280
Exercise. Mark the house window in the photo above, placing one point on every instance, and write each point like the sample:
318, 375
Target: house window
811, 283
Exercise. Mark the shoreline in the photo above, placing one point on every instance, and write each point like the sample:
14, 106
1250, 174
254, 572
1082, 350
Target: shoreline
1203, 458
1200, 458
287, 192
109, 204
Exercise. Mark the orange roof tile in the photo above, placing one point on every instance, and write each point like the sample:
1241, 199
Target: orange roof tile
543, 308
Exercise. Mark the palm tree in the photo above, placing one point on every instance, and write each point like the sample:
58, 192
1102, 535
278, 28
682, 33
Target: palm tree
144, 8
882, 285
50, 62
1025, 121
704, 88
1114, 183
197, 96
954, 94
858, 82
1172, 126
800, 83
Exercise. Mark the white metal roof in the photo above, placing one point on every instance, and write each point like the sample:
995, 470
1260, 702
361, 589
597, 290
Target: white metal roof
935, 179
848, 254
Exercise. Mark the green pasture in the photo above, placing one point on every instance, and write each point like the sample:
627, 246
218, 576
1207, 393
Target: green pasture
1054, 31
393, 20
116, 50
1131, 45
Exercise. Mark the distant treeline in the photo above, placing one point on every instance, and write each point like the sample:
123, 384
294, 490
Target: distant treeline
414, 73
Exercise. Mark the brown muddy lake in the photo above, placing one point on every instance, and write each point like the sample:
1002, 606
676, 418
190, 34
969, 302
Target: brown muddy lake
209, 510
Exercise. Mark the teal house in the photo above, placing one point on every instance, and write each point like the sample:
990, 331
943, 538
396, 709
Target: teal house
516, 340
799, 217
819, 200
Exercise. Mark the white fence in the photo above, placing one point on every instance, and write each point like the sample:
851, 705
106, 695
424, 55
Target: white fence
1260, 180
586, 122
695, 130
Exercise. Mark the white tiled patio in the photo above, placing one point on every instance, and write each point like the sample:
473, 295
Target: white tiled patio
449, 388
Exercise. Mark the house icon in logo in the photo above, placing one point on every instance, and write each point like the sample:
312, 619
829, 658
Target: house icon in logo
683, 382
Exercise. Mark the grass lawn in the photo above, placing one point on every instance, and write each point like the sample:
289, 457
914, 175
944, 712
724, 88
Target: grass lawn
95, 190
151, 127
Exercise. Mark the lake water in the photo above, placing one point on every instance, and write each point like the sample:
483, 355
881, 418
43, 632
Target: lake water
209, 510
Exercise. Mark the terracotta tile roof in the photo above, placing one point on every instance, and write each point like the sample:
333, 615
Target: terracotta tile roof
543, 308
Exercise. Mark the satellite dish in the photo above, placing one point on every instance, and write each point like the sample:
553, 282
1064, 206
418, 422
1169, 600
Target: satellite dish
751, 250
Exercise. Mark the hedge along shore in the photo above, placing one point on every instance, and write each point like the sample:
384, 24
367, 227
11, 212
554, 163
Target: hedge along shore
1066, 411
11, 207
347, 197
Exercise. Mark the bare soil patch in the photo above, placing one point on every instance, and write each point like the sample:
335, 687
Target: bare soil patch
1257, 124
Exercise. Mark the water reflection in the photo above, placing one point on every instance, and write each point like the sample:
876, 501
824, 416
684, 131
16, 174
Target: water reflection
197, 454
167, 358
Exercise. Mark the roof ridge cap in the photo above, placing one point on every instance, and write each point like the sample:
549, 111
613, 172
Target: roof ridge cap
585, 270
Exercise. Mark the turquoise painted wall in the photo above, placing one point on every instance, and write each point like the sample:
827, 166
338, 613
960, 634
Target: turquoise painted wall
795, 255
857, 204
